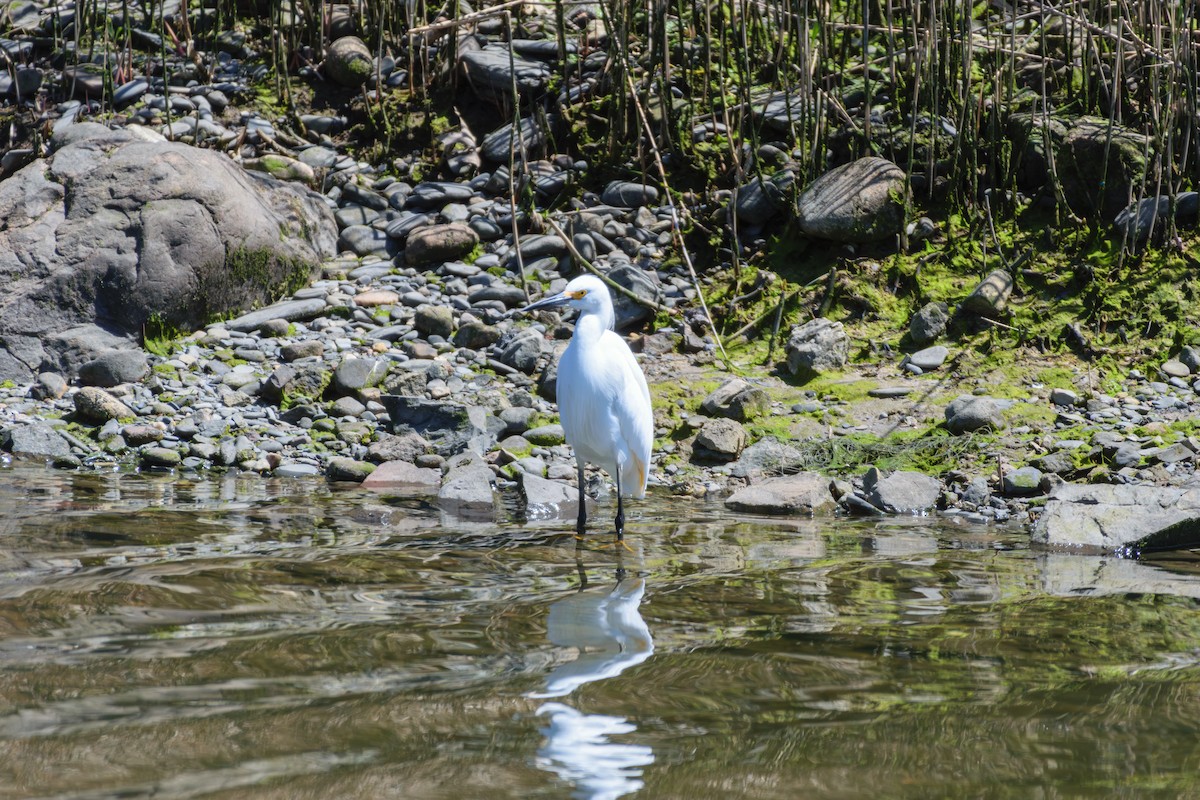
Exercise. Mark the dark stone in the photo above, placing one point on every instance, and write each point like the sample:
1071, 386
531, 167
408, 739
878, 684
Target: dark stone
114, 368
449, 427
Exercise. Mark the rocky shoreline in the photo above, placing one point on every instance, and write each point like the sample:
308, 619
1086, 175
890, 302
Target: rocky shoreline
395, 358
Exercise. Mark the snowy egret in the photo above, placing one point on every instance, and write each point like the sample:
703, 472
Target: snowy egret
603, 400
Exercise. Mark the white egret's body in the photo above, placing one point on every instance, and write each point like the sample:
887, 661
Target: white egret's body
603, 400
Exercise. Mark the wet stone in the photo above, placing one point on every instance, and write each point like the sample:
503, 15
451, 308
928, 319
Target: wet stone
161, 457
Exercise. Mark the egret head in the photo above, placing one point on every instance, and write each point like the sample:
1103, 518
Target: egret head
586, 293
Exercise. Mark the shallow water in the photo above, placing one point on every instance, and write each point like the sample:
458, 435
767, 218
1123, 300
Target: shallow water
250, 638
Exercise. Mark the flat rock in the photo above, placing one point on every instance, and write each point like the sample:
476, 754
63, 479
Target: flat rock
802, 493
377, 297
403, 475
902, 492
467, 492
1123, 519
547, 499
34, 440
930, 358
968, 413
291, 310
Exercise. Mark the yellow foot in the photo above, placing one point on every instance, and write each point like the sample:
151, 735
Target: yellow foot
621, 542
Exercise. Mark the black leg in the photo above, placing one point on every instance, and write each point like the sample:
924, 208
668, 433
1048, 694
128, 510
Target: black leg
581, 520
620, 510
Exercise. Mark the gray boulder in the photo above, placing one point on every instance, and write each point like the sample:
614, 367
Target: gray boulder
719, 440
968, 413
114, 368
1122, 519
629, 313
929, 322
354, 374
857, 202
522, 349
437, 244
95, 405
34, 440
393, 475
547, 499
113, 230
450, 428
803, 493
902, 492
817, 346
1093, 147
348, 61
467, 492
737, 399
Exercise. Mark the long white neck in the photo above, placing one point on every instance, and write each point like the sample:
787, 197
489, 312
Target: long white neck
591, 325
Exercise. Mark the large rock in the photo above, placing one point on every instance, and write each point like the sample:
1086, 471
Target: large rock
405, 476
437, 244
547, 499
493, 71
862, 201
467, 492
803, 493
1093, 148
737, 399
511, 141
113, 231
34, 440
719, 440
1120, 518
629, 313
450, 428
817, 346
967, 413
902, 492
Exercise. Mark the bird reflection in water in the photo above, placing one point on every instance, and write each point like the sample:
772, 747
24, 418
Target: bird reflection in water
605, 626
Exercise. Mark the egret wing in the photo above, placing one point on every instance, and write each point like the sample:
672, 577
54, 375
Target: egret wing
635, 418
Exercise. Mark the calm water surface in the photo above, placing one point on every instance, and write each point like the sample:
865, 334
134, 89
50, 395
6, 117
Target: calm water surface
240, 638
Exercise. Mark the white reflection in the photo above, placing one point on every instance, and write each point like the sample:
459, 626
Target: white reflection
577, 749
607, 630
